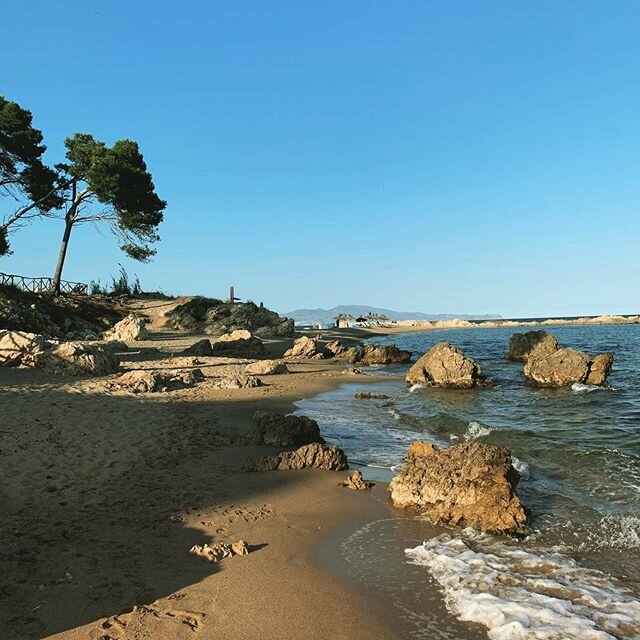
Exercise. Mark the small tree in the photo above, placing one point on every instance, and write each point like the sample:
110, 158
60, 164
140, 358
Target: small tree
31, 188
110, 185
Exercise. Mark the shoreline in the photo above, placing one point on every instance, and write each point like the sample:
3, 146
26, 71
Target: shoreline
107, 491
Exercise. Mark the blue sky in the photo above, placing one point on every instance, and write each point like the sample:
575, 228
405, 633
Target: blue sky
466, 157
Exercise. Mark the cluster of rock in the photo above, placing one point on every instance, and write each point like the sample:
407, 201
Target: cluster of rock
279, 430
311, 349
239, 381
22, 349
144, 381
129, 329
546, 364
446, 366
220, 550
266, 368
238, 343
215, 317
471, 484
367, 395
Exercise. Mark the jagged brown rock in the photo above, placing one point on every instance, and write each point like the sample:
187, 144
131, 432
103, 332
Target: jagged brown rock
471, 484
80, 358
356, 482
522, 344
387, 354
304, 348
279, 430
565, 367
446, 366
220, 550
240, 381
237, 343
309, 456
145, 381
199, 348
19, 348
600, 368
267, 368
367, 395
129, 329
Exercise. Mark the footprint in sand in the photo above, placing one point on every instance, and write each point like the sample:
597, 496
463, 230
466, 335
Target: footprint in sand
145, 622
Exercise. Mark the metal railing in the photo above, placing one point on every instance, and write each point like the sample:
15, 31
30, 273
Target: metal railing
41, 285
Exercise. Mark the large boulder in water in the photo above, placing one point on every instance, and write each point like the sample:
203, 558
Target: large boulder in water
522, 344
446, 366
600, 368
564, 367
279, 430
387, 354
471, 484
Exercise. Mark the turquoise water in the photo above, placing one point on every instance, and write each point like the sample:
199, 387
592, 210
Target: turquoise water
577, 449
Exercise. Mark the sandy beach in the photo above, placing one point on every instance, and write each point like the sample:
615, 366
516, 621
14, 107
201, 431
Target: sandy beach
104, 493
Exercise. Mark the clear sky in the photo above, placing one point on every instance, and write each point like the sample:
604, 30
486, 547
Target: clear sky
463, 157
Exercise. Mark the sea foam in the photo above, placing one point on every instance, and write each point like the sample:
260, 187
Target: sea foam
521, 595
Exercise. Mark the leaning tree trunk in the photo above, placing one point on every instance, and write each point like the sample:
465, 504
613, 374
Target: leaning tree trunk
57, 278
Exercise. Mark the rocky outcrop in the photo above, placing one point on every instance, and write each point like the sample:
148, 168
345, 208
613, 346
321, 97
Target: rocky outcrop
267, 368
279, 430
304, 348
446, 366
80, 358
335, 349
144, 381
387, 354
564, 367
600, 368
199, 348
310, 456
522, 344
367, 395
356, 482
19, 348
220, 550
215, 317
239, 343
471, 484
240, 381
130, 329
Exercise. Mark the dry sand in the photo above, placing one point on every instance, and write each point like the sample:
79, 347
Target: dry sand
103, 493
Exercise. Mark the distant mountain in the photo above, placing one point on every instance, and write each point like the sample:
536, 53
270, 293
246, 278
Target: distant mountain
327, 316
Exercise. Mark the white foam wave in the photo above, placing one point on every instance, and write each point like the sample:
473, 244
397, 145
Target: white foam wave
613, 532
521, 467
519, 595
415, 387
475, 430
579, 387
394, 414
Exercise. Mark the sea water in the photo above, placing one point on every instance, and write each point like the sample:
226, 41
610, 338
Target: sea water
577, 573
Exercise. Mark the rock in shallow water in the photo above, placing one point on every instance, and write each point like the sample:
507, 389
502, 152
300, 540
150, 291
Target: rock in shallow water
564, 367
446, 366
522, 344
472, 484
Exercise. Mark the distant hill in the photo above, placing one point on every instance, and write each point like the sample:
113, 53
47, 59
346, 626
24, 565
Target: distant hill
326, 316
